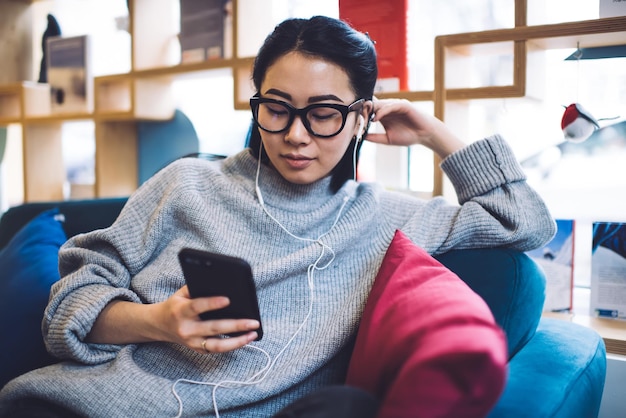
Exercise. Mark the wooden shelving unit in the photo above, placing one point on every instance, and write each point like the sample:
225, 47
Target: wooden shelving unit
145, 92
523, 42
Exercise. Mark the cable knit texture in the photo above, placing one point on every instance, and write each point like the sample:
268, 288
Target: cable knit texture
213, 206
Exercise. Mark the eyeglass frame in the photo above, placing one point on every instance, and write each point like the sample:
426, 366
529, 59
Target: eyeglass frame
255, 101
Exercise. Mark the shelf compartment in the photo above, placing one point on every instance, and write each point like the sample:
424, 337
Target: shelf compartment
244, 87
527, 39
154, 32
153, 98
113, 95
10, 103
116, 158
36, 99
241, 67
484, 65
44, 170
127, 97
22, 100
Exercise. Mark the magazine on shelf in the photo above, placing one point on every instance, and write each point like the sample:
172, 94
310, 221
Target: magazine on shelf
69, 74
612, 8
608, 270
556, 258
385, 22
205, 29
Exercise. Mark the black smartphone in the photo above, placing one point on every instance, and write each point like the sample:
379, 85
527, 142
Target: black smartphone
211, 274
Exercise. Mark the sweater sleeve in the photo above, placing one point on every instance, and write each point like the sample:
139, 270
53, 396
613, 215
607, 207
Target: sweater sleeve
98, 267
497, 207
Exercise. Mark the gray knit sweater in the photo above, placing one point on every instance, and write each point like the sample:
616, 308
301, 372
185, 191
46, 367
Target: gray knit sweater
213, 206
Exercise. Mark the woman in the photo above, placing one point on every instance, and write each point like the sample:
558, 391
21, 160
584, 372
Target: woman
122, 318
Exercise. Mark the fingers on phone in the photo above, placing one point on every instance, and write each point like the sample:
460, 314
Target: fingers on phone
225, 344
205, 304
229, 326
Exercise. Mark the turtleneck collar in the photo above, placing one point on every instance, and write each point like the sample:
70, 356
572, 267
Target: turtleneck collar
279, 192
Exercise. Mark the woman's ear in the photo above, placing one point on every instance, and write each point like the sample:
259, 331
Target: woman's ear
368, 112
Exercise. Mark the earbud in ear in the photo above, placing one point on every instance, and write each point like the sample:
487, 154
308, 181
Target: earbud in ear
359, 134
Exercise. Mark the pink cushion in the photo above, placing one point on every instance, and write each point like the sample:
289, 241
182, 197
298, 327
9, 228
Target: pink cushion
427, 346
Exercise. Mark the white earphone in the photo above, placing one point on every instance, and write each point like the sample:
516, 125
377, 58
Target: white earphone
359, 135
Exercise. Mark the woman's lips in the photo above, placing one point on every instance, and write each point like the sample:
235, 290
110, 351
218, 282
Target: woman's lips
297, 161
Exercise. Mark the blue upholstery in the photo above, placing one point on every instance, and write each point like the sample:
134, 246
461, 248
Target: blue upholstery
556, 368
516, 300
80, 216
560, 373
29, 267
161, 142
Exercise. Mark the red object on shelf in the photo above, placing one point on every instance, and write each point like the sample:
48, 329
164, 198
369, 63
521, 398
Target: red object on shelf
386, 23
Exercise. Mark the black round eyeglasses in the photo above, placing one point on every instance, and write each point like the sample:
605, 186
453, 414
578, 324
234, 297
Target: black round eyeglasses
322, 120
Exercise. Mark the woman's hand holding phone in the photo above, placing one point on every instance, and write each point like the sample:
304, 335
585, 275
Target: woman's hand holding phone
224, 296
176, 320
182, 324
221, 303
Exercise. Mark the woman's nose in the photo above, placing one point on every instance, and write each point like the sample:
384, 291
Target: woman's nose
297, 133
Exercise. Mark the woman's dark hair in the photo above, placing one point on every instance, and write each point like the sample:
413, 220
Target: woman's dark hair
331, 40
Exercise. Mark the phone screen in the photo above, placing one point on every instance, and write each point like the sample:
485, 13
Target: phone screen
211, 274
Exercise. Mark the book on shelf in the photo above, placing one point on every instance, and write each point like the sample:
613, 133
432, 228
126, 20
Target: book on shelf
70, 74
612, 8
608, 270
556, 258
385, 22
205, 30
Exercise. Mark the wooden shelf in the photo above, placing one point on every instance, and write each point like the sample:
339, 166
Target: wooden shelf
589, 33
527, 40
195, 67
145, 92
612, 331
412, 96
58, 118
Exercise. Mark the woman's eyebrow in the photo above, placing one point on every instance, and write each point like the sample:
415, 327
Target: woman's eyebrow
324, 97
313, 99
280, 93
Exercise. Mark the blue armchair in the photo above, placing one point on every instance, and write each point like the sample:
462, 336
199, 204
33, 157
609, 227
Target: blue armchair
556, 368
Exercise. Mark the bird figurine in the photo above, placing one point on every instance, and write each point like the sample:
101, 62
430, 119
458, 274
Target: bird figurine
53, 29
577, 123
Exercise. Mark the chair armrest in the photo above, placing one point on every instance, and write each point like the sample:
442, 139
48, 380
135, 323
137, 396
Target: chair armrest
80, 215
562, 370
511, 283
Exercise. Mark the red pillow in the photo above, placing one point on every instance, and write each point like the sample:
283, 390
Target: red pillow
427, 345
